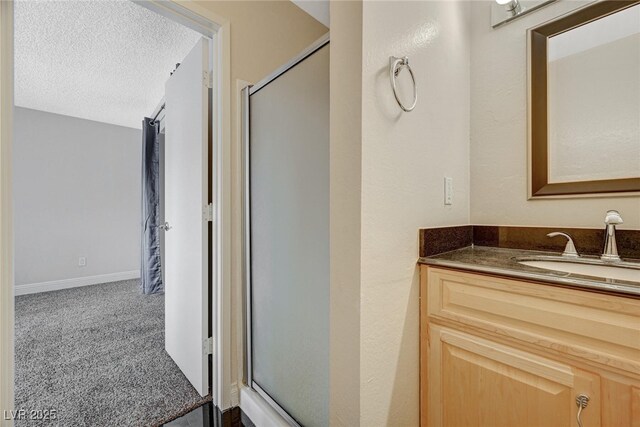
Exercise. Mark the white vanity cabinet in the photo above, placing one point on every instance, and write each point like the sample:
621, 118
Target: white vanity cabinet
503, 352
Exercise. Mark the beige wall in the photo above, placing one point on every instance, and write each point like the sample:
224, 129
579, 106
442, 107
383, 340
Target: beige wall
405, 157
499, 132
264, 36
391, 167
345, 158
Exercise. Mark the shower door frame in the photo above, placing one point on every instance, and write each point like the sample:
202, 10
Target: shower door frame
246, 92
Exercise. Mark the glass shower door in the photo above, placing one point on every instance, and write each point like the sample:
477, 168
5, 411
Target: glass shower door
287, 225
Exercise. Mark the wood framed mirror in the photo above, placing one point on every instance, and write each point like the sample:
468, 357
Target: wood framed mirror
584, 102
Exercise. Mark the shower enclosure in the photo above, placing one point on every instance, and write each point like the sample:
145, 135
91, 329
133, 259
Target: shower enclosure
286, 207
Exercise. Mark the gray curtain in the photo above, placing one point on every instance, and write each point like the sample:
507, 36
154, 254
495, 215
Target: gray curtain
151, 262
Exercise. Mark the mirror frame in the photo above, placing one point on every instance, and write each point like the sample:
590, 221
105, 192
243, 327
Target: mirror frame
539, 185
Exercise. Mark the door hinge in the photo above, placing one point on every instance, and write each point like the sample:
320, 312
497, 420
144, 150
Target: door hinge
208, 212
207, 346
207, 79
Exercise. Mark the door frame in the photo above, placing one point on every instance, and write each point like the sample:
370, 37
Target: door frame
210, 25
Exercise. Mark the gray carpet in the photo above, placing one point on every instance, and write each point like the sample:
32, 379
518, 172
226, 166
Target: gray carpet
96, 355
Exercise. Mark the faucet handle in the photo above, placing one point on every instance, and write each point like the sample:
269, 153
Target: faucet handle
570, 248
610, 252
613, 218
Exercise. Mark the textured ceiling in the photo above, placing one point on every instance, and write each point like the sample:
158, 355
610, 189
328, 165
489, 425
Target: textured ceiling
99, 60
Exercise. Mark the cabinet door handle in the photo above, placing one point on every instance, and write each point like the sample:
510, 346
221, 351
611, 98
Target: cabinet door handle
582, 400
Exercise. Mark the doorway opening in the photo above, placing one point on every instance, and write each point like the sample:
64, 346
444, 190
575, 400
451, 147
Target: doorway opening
91, 344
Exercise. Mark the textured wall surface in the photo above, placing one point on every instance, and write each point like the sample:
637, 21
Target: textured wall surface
499, 132
76, 192
405, 157
387, 172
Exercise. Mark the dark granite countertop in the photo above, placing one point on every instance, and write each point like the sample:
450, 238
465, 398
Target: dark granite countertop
504, 262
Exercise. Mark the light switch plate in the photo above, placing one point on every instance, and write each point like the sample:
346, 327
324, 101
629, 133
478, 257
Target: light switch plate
448, 190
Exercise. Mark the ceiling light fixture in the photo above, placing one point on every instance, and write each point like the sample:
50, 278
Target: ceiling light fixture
504, 11
512, 6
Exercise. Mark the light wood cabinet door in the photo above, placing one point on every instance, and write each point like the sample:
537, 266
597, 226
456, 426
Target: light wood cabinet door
474, 382
620, 401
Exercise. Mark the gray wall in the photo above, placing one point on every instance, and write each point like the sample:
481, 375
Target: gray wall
76, 193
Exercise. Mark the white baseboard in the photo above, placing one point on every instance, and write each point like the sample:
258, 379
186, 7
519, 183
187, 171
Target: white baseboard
32, 288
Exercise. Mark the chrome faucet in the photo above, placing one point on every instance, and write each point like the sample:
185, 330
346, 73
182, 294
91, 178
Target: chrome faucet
610, 251
570, 248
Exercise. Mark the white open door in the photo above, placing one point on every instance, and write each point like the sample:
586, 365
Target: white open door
186, 263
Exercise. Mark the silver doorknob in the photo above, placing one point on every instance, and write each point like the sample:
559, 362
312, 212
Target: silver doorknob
165, 226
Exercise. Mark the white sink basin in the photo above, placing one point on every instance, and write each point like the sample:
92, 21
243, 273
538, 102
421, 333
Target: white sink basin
606, 271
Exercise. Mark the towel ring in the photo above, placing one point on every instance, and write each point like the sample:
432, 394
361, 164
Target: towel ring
395, 66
